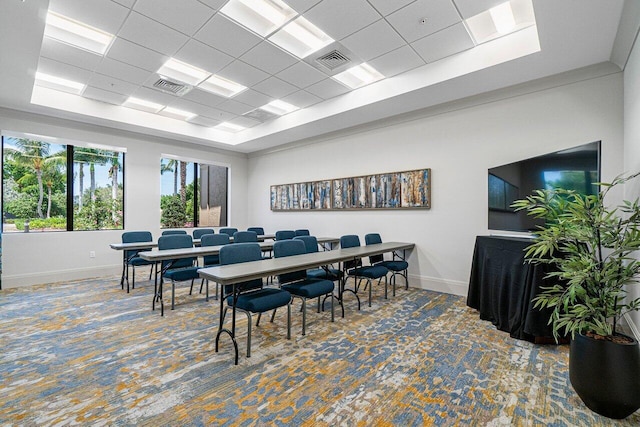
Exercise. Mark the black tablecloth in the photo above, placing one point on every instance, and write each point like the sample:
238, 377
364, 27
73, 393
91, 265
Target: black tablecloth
502, 286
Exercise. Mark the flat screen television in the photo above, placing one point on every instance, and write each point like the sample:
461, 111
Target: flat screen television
576, 168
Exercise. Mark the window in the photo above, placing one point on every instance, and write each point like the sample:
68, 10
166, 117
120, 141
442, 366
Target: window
193, 194
36, 195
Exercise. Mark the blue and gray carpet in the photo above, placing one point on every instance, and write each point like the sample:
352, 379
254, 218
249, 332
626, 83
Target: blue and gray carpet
88, 353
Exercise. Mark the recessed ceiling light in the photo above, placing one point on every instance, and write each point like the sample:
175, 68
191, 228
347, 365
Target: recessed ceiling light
279, 107
221, 86
359, 76
77, 34
261, 16
503, 18
301, 38
176, 113
58, 83
183, 72
229, 127
142, 104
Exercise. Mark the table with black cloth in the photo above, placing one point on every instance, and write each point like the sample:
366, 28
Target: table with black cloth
502, 286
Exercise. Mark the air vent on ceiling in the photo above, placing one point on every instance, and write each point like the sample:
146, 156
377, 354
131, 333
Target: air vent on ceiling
175, 88
333, 59
260, 115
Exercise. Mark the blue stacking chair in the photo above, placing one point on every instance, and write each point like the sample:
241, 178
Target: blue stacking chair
285, 234
258, 230
245, 237
297, 282
172, 232
199, 232
228, 230
395, 266
132, 259
252, 296
359, 272
176, 270
211, 260
311, 246
302, 232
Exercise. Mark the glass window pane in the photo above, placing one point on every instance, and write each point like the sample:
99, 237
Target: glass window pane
97, 189
177, 193
213, 196
34, 185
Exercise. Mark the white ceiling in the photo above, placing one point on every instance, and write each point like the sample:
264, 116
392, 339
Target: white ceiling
425, 64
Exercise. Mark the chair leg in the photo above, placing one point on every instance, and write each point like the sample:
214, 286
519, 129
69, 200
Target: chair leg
248, 333
173, 294
289, 320
258, 320
151, 270
370, 285
273, 315
304, 316
332, 308
318, 304
133, 281
202, 284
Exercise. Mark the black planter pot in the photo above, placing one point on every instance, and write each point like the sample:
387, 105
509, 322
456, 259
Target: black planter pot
606, 375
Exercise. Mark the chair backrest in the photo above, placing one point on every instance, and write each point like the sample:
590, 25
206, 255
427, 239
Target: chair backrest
285, 234
245, 237
286, 248
135, 237
302, 232
199, 232
372, 239
228, 230
310, 243
350, 241
213, 240
258, 230
237, 253
176, 241
172, 232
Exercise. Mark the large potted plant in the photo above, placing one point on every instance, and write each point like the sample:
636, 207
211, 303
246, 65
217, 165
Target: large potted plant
594, 252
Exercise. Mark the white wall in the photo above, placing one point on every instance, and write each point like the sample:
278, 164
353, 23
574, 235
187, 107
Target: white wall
459, 146
632, 139
36, 257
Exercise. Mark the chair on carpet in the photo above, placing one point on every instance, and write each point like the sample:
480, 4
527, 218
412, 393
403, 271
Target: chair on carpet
359, 272
302, 232
311, 246
258, 230
252, 296
285, 234
211, 260
176, 270
228, 230
172, 232
199, 232
245, 237
395, 266
297, 282
132, 259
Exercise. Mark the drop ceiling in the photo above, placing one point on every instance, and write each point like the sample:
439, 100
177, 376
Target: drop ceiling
425, 51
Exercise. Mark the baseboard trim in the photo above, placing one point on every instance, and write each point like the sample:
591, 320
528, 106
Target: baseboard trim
31, 279
453, 287
632, 326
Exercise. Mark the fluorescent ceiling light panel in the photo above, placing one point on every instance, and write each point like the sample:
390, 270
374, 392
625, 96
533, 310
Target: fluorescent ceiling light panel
77, 34
183, 72
221, 86
176, 113
359, 76
279, 107
229, 127
506, 18
141, 104
301, 38
261, 16
58, 83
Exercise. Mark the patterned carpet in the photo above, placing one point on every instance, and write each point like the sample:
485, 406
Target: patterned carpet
87, 353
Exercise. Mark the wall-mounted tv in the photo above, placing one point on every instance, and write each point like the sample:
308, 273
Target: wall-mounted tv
576, 168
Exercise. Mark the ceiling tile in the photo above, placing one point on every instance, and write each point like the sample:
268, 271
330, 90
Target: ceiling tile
66, 71
204, 121
151, 34
243, 73
385, 7
339, 18
469, 8
235, 107
275, 87
68, 54
439, 14
204, 97
302, 6
301, 75
104, 95
327, 89
112, 85
138, 56
153, 95
122, 71
104, 15
193, 107
245, 122
186, 16
253, 98
268, 58
227, 36
443, 43
397, 61
302, 99
203, 56
374, 40
214, 4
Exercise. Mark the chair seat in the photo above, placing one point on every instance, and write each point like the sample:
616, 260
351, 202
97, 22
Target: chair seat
310, 288
395, 265
370, 272
321, 273
139, 261
182, 274
262, 300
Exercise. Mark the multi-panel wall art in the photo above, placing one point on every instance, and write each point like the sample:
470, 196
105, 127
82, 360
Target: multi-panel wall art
395, 190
